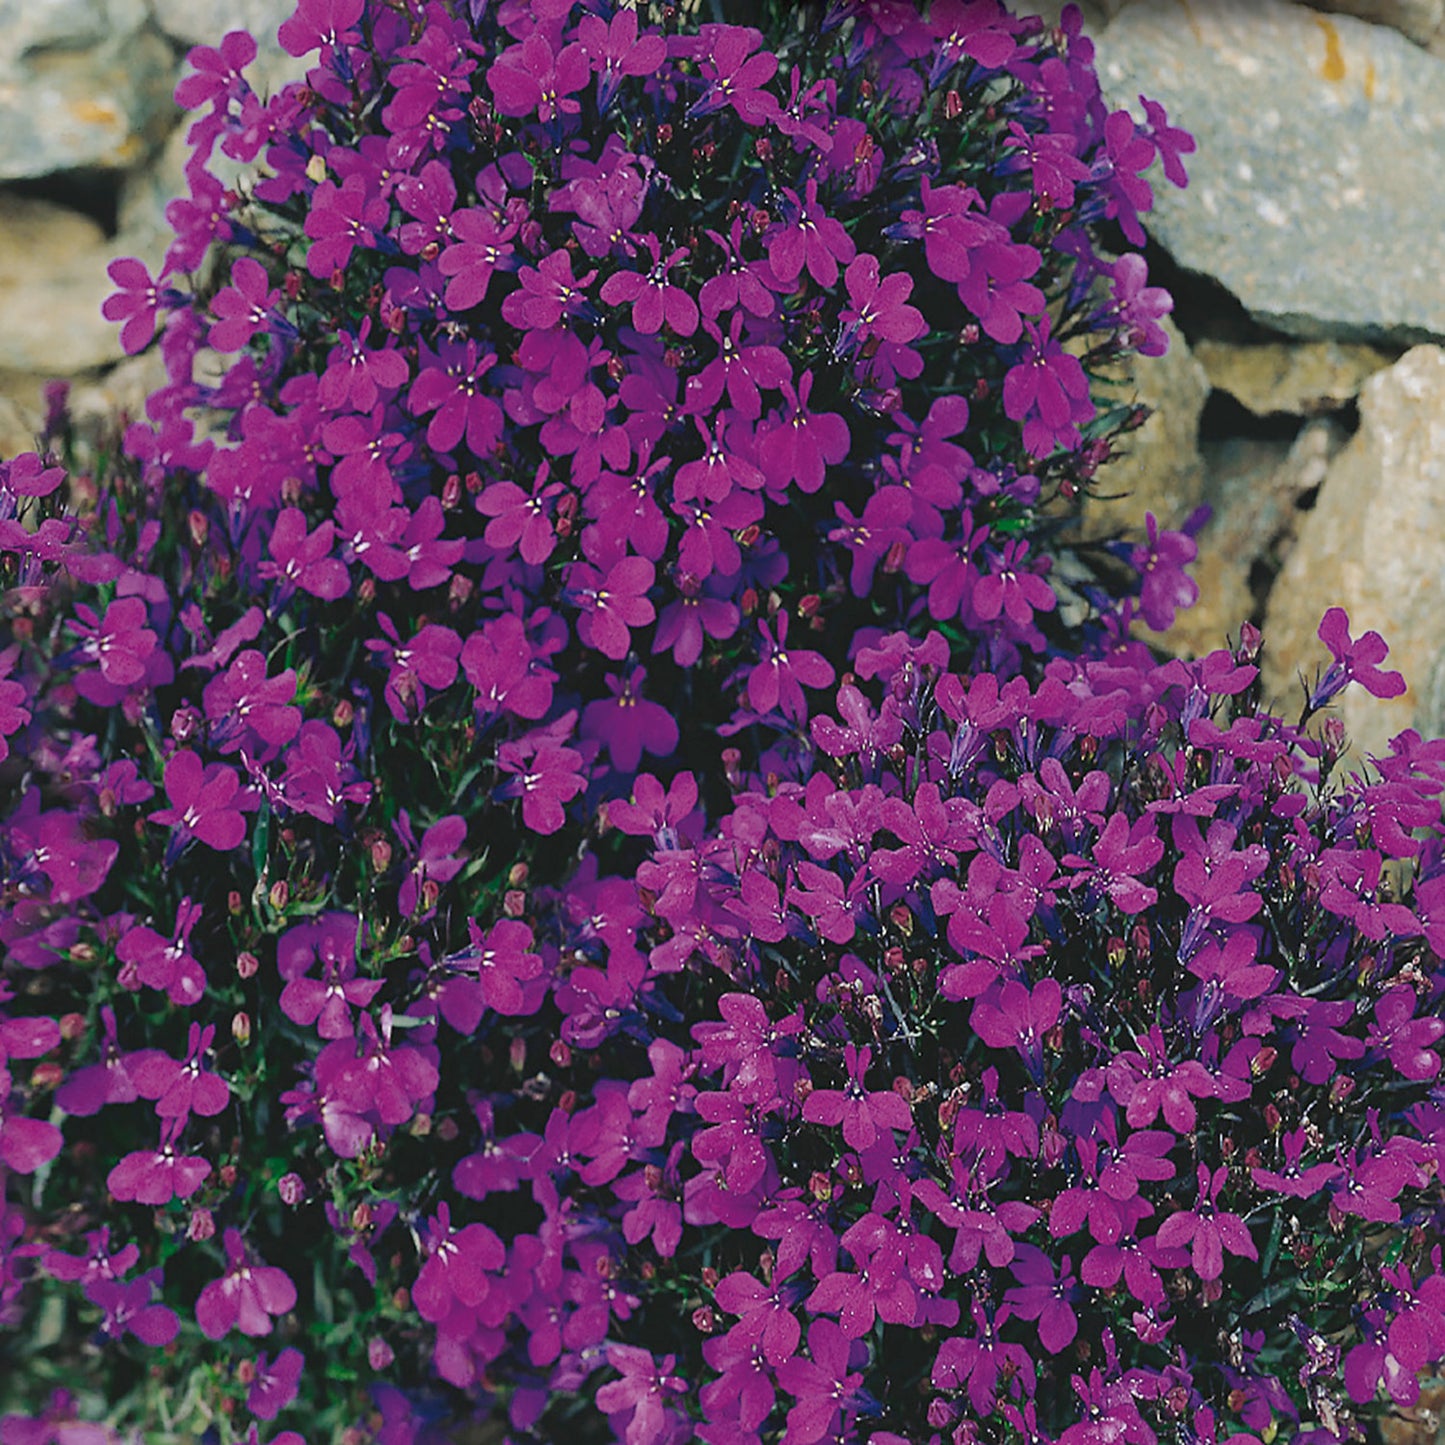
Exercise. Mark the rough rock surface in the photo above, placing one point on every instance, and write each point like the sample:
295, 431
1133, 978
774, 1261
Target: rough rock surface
84, 84
1158, 468
1312, 188
52, 286
1422, 20
1306, 379
1374, 545
1254, 489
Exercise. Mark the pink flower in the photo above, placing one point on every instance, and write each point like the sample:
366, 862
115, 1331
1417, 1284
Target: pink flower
25, 1144
863, 1113
206, 802
456, 1268
642, 1390
245, 1297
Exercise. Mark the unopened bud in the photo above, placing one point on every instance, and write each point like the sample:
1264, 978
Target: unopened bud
560, 1053
241, 1027
291, 1188
379, 1354
200, 1225
279, 895
247, 964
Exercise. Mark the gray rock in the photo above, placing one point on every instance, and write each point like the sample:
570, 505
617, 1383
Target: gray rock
52, 286
1421, 20
1313, 195
1253, 490
1158, 468
84, 84
1307, 378
1373, 545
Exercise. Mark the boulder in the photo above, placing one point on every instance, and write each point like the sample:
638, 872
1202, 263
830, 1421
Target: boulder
52, 286
1311, 194
1254, 489
1158, 468
1308, 378
1421, 20
84, 85
1373, 545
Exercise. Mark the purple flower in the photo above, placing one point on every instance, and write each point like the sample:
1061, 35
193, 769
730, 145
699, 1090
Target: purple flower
976, 1361
137, 303
736, 72
156, 1176
1354, 661
1047, 391
1406, 1039
456, 1267
1209, 1231
1043, 1295
864, 1114
25, 1144
206, 802
820, 1384
778, 679
436, 859
166, 964
304, 560
246, 1297
655, 300
321, 23
627, 724
531, 78
275, 1383
243, 307
546, 776
643, 1390
181, 1088
341, 218
615, 50
128, 1309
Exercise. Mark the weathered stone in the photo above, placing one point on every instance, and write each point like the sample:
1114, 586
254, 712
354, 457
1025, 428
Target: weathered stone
1421, 20
1158, 468
1311, 195
1420, 1423
1254, 488
204, 22
1373, 545
84, 84
1306, 379
52, 286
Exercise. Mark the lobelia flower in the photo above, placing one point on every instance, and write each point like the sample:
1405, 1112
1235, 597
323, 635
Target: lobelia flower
128, 1309
181, 1089
627, 724
243, 307
643, 1390
1354, 661
457, 1266
246, 1297
615, 51
275, 1383
25, 1144
778, 679
166, 964
304, 560
976, 1362
1048, 392
1208, 1231
545, 775
206, 803
822, 1384
863, 1114
735, 72
156, 1176
434, 859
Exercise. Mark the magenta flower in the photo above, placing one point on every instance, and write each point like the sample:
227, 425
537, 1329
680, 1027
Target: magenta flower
181, 1089
778, 679
532, 79
321, 23
327, 1002
878, 305
217, 70
451, 390
655, 300
356, 375
499, 964
304, 560
438, 858
1209, 1231
246, 1297
820, 1384
1047, 391
156, 1176
137, 303
122, 644
1149, 1083
811, 239
803, 443
1043, 1295
643, 1389
1018, 1018
1404, 1038
166, 964
341, 218
627, 724
615, 50
546, 776
483, 246
25, 1144
275, 1383
863, 1113
611, 602
128, 1309
977, 1361
736, 72
518, 517
206, 802
1123, 851
456, 1267
1354, 661
243, 307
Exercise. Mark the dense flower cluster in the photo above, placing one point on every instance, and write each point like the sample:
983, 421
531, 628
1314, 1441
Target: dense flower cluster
581, 848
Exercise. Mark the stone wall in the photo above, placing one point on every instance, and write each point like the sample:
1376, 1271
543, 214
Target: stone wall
1303, 398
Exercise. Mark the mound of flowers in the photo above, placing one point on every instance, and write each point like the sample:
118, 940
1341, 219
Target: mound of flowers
587, 853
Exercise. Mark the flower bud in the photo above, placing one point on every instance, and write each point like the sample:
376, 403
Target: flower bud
710, 1277
292, 1189
381, 855
241, 1027
46, 1076
379, 1354
703, 1320
200, 1226
245, 1372
560, 1053
72, 1026
246, 964
279, 895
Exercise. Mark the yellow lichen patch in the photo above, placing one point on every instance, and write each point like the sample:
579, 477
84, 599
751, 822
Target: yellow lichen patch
95, 112
1369, 80
1334, 66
